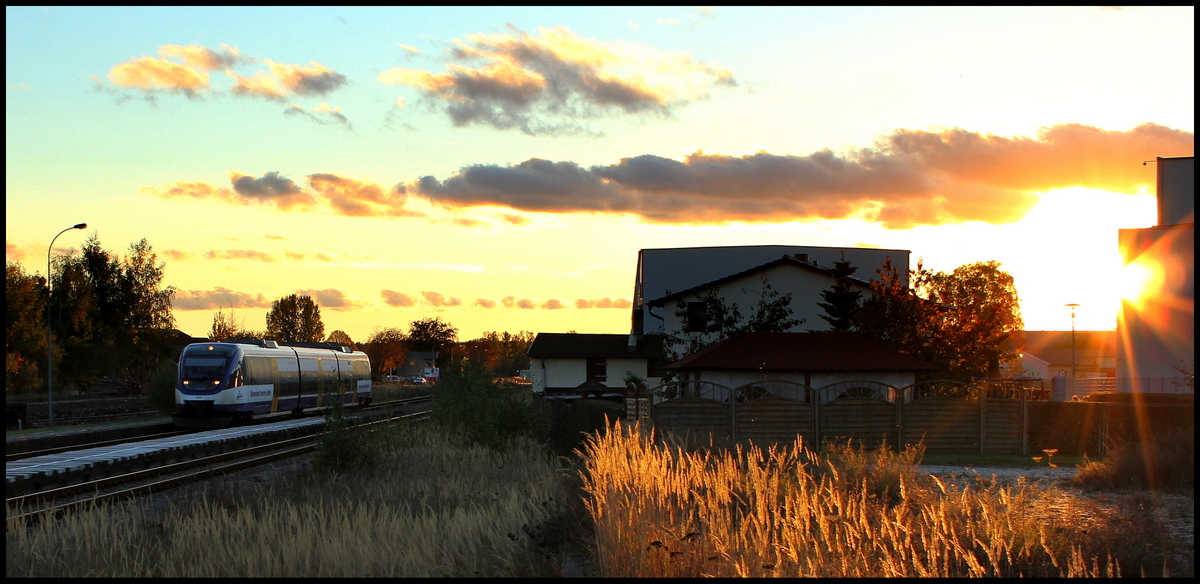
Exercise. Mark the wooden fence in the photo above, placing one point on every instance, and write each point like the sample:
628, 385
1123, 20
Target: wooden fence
946, 416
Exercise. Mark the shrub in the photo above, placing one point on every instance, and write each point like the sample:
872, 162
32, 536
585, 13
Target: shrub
342, 447
1163, 462
160, 390
467, 399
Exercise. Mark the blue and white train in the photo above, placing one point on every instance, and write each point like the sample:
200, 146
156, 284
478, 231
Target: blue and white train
234, 381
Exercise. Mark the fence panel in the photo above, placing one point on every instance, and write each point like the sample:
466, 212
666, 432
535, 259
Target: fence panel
692, 415
943, 424
1002, 426
776, 420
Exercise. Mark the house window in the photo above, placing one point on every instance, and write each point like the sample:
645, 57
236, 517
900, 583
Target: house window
697, 317
597, 369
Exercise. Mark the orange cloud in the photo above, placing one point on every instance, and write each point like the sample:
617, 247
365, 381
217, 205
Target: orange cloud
331, 298
154, 74
908, 178
605, 302
287, 80
240, 254
398, 299
905, 179
204, 58
485, 302
545, 83
441, 300
219, 297
177, 255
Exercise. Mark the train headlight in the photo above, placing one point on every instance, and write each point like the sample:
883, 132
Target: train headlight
217, 382
185, 382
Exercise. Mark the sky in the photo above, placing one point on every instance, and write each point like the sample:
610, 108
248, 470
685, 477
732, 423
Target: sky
499, 168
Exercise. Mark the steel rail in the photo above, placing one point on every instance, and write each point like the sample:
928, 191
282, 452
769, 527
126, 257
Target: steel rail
291, 447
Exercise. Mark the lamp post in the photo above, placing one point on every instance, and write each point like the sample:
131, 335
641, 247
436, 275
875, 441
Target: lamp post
49, 339
1072, 386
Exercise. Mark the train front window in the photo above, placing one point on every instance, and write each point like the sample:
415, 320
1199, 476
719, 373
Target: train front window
204, 368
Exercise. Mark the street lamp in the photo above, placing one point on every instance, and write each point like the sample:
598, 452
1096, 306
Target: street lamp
49, 340
1072, 386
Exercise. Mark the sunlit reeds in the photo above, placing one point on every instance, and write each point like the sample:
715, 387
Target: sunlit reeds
661, 509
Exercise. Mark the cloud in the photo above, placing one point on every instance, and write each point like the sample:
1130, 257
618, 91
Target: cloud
240, 254
177, 254
398, 299
13, 252
906, 179
199, 57
271, 236
271, 187
411, 49
359, 198
554, 304
605, 302
514, 302
485, 302
545, 83
331, 298
284, 81
151, 74
441, 300
219, 297
322, 114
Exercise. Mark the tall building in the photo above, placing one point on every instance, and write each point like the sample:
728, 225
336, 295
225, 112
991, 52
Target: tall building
1156, 330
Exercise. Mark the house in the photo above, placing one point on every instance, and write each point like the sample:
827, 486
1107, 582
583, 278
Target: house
419, 364
816, 359
1048, 354
568, 365
785, 274
670, 270
1156, 328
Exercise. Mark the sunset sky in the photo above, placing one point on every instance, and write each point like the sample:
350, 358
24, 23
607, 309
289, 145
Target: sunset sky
500, 167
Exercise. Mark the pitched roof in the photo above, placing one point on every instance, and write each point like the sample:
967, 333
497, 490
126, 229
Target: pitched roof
816, 351
575, 346
783, 261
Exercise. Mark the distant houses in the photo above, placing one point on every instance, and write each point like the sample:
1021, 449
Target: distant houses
569, 365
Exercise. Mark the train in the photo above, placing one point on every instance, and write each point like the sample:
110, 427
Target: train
234, 381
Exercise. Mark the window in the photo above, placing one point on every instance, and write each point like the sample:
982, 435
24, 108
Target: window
597, 369
697, 318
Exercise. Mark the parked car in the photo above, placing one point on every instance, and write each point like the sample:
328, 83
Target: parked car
418, 381
390, 378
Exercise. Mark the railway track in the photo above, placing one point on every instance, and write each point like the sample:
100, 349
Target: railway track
82, 444
55, 502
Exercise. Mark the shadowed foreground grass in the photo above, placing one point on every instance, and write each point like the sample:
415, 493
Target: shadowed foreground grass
664, 510
435, 506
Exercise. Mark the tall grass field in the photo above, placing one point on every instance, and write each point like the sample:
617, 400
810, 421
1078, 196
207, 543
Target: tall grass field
663, 510
435, 505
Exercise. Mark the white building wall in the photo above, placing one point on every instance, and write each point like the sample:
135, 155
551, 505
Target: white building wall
804, 285
562, 373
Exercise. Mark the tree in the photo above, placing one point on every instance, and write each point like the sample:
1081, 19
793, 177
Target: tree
984, 312
431, 334
712, 319
339, 336
842, 302
110, 315
387, 349
958, 321
295, 319
24, 328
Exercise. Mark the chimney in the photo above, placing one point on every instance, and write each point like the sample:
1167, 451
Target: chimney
803, 257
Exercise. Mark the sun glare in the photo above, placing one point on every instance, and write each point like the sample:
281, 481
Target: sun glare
1137, 279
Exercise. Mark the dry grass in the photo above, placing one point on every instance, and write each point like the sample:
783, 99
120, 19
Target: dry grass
437, 507
664, 510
